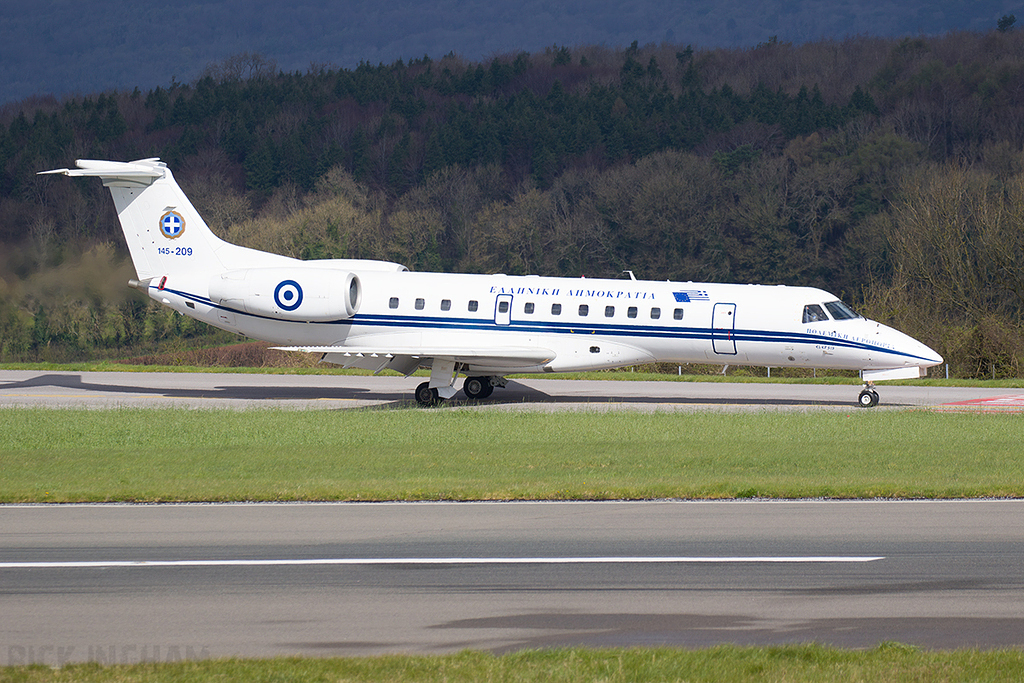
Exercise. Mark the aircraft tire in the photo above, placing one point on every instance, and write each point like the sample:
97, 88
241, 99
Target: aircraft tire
868, 399
426, 396
477, 387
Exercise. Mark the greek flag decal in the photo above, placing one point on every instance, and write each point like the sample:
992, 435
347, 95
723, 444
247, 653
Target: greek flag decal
688, 295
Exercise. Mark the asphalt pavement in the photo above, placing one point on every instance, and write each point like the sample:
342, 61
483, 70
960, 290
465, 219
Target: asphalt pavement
155, 582
327, 392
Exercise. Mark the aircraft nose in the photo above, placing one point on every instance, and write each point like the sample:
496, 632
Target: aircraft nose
914, 352
927, 355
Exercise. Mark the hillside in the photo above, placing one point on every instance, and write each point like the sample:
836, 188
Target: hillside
885, 170
62, 48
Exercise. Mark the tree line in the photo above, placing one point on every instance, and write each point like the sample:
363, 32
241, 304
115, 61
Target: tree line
885, 171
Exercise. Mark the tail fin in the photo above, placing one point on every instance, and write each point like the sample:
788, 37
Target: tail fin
165, 234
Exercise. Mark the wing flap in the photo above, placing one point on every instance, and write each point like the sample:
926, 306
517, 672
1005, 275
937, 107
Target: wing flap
525, 355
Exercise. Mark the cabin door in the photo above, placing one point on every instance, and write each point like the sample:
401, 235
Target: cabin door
723, 329
503, 310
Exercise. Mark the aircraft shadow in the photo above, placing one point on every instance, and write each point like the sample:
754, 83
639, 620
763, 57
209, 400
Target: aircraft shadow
516, 393
223, 392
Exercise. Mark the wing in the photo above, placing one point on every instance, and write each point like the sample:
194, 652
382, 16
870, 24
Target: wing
407, 359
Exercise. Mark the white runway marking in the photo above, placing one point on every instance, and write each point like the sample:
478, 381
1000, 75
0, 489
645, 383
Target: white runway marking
101, 564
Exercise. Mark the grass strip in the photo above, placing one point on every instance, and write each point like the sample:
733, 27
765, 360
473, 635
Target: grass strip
136, 454
798, 663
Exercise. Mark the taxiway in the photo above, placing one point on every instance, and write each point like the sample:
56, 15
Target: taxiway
244, 391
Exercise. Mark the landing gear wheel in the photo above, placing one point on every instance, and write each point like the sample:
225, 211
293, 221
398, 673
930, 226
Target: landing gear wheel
477, 387
426, 396
868, 398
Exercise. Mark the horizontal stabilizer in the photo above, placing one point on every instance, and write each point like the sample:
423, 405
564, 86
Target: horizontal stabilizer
142, 169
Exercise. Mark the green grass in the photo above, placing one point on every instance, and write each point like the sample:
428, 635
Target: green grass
387, 454
797, 663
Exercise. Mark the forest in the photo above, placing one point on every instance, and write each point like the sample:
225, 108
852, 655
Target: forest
887, 171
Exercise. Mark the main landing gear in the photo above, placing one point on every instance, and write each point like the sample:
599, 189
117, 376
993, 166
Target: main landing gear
474, 388
427, 396
868, 397
477, 387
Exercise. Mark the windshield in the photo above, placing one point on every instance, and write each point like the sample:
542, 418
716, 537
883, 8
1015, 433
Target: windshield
841, 311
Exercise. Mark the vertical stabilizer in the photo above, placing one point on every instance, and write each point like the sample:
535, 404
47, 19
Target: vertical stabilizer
166, 235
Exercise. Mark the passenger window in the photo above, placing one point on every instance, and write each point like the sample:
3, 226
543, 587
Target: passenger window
631, 311
677, 314
502, 307
393, 303
528, 309
473, 305
813, 313
609, 311
655, 313
584, 310
556, 309
446, 304
420, 303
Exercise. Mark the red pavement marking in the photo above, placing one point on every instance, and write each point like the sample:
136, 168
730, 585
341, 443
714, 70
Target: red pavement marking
1011, 403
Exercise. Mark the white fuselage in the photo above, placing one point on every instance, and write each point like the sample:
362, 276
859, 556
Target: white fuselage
584, 323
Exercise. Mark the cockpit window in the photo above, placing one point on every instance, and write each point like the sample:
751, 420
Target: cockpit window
841, 311
813, 313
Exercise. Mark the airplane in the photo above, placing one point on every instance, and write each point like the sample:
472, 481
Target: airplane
378, 315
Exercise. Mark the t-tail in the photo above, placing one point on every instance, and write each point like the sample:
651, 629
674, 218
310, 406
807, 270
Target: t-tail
167, 238
183, 265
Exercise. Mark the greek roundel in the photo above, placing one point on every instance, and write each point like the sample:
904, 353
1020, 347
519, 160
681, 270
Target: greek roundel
288, 295
172, 225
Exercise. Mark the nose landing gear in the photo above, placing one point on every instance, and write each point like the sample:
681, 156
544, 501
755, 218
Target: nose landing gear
868, 397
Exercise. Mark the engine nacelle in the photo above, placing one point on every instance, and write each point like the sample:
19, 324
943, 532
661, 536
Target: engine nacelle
300, 294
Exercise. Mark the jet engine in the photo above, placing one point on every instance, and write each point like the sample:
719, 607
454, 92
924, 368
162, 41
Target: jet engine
300, 294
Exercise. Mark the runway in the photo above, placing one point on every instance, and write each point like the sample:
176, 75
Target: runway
332, 392
156, 582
